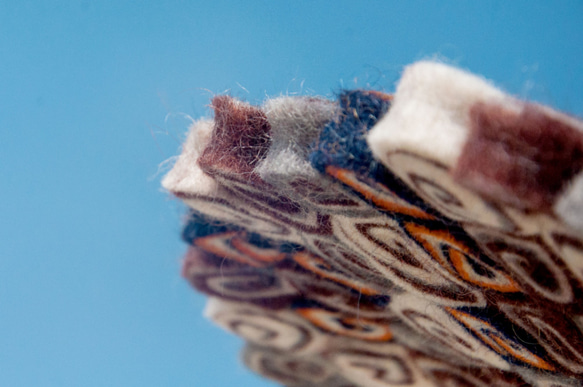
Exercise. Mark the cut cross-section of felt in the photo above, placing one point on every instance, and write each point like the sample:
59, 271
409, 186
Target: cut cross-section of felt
430, 237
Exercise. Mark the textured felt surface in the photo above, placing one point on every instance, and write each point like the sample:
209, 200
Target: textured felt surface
524, 157
344, 264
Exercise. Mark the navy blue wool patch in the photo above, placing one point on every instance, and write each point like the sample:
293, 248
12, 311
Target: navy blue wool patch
199, 226
342, 142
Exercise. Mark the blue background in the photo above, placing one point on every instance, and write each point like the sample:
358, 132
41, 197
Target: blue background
95, 95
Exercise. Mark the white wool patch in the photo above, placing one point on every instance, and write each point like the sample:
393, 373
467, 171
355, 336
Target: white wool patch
569, 206
430, 112
186, 176
295, 124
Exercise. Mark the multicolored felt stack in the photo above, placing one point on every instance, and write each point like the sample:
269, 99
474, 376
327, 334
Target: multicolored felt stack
428, 238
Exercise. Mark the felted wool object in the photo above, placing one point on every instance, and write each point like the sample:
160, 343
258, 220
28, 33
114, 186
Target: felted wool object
348, 252
430, 112
342, 142
295, 125
186, 177
569, 205
505, 150
239, 141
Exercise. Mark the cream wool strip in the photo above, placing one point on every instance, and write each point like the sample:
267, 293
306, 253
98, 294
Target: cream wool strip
430, 112
186, 176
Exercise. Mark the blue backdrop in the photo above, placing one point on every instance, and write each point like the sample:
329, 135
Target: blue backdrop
95, 95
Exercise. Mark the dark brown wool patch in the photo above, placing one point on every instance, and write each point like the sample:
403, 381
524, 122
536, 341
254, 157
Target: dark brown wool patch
524, 159
239, 141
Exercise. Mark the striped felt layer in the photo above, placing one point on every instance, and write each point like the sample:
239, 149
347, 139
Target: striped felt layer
414, 239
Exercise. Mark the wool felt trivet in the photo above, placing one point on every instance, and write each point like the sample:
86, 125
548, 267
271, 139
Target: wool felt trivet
428, 238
